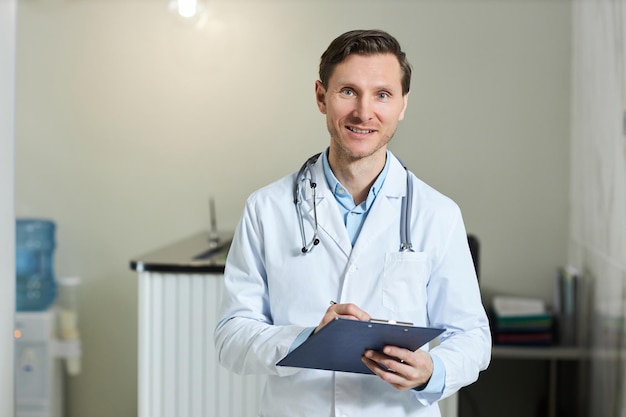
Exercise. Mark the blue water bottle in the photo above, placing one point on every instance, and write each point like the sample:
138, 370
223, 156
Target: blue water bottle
34, 249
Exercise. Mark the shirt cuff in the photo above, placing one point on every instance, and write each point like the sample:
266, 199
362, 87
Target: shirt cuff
304, 335
437, 381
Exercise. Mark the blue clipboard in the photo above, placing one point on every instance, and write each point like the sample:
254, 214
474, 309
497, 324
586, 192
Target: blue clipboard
340, 344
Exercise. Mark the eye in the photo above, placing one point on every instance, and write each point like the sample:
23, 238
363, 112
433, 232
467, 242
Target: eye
383, 95
347, 92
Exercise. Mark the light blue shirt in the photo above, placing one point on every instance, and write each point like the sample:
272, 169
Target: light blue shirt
353, 217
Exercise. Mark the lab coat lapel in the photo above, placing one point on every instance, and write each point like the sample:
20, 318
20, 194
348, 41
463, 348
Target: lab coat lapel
385, 210
328, 217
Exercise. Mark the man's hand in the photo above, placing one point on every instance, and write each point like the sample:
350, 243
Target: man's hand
402, 368
345, 311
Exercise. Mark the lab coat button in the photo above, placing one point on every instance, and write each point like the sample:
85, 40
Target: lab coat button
352, 268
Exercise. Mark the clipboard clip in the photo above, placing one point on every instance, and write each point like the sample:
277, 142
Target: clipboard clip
402, 323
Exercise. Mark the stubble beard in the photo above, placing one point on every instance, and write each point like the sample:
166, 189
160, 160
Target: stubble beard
346, 155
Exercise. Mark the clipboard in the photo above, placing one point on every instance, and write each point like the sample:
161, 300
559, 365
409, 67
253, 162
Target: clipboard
340, 344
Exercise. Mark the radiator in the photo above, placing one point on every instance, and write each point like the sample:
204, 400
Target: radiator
179, 375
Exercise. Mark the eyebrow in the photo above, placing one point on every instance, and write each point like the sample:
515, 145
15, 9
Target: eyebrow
382, 87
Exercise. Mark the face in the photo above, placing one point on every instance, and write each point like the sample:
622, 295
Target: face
363, 105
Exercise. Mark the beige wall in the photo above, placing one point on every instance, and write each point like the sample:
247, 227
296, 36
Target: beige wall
128, 119
7, 199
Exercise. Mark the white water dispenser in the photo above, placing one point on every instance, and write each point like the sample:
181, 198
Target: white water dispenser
47, 347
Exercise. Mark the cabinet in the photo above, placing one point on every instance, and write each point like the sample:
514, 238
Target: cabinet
180, 287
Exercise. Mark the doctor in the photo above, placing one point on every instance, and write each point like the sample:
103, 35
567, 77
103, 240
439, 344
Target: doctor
341, 241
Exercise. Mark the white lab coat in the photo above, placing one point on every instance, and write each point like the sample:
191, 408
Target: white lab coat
273, 292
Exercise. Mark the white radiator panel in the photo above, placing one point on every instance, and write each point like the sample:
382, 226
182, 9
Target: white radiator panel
178, 370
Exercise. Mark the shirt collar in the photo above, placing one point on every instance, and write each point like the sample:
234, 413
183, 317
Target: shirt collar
341, 193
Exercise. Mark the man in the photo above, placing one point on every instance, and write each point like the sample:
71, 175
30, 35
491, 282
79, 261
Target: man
350, 203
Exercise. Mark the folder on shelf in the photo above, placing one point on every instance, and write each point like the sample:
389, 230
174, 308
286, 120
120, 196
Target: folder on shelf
521, 321
507, 306
340, 344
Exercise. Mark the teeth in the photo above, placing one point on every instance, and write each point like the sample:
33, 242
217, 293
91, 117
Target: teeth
355, 130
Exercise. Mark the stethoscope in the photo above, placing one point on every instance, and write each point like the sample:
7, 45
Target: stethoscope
306, 174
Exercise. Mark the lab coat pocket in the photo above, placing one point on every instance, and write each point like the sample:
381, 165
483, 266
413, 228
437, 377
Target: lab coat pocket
404, 281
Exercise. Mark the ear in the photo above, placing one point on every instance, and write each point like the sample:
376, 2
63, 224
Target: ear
405, 99
320, 96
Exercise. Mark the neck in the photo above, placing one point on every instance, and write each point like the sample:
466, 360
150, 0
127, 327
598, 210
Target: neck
357, 175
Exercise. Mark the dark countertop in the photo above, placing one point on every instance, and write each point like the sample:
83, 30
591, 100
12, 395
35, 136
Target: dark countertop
195, 254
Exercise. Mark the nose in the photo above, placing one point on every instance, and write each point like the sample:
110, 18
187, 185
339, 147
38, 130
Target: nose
364, 109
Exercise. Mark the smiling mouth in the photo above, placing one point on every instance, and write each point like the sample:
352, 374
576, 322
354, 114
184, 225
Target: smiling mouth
360, 131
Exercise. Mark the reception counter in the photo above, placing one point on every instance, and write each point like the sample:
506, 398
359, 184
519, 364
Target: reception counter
196, 254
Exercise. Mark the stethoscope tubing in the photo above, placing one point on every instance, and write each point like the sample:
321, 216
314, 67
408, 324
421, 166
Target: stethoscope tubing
407, 207
297, 199
301, 177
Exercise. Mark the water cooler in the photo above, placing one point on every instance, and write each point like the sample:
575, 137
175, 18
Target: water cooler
47, 348
47, 343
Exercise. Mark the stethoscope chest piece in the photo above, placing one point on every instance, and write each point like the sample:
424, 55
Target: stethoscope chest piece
406, 247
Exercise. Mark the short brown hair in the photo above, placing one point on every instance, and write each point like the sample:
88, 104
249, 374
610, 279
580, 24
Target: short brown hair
363, 42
